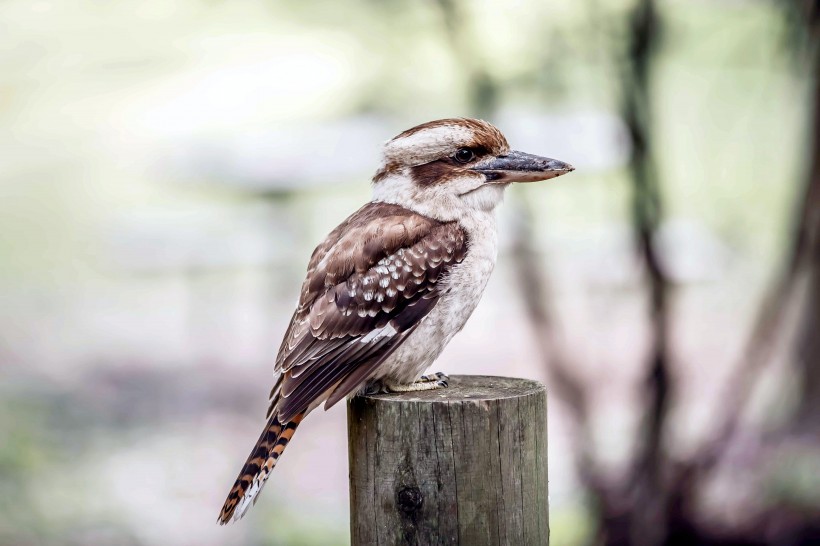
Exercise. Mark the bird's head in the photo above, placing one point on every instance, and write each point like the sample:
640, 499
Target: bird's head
447, 167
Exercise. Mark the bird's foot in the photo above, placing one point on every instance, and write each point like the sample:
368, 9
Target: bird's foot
434, 378
421, 385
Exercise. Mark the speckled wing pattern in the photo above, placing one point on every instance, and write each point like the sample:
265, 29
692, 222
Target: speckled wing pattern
367, 287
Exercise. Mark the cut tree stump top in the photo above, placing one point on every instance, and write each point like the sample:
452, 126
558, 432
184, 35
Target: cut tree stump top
467, 387
461, 466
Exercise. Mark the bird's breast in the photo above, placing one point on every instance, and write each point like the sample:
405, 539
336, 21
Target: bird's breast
463, 288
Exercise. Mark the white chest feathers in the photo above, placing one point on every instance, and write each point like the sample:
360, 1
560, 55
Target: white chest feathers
464, 287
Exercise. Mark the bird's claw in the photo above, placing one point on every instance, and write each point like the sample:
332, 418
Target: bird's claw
427, 382
439, 378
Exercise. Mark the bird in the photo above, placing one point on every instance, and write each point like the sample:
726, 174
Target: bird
388, 288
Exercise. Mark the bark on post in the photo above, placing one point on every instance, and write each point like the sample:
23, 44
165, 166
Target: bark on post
463, 465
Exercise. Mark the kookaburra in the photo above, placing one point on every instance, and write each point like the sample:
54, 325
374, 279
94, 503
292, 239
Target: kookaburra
389, 288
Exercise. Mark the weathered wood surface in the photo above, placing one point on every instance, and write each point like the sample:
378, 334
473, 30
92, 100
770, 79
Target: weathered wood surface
464, 465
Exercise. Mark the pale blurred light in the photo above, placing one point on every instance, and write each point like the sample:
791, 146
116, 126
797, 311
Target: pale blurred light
591, 140
260, 81
286, 156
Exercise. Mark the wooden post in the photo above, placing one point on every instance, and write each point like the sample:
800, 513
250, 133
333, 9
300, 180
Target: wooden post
464, 465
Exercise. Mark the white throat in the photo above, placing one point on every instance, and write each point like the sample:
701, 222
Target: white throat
454, 200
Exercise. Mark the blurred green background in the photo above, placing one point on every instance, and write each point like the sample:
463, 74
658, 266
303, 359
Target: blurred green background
167, 167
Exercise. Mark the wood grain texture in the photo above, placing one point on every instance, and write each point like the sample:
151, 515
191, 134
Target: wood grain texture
465, 465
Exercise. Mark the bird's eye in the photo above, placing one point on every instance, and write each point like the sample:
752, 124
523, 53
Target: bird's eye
464, 155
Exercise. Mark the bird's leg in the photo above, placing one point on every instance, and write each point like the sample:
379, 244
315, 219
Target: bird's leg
429, 378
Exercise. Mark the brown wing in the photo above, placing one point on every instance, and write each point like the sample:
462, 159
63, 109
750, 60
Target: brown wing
368, 286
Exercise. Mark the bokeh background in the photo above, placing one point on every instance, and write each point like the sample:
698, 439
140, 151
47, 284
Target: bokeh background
167, 167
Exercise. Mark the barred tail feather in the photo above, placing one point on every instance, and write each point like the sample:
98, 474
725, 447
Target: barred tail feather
260, 463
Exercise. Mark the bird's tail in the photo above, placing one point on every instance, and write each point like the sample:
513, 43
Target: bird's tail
260, 463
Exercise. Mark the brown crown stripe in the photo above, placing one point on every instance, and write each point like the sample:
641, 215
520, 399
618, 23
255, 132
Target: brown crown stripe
485, 133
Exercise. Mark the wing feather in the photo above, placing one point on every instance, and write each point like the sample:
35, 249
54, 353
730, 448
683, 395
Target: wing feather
368, 286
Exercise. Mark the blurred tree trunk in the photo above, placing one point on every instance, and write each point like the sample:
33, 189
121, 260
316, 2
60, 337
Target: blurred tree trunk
807, 238
799, 274
648, 514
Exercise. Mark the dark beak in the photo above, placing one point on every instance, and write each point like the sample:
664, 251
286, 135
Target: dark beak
520, 167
